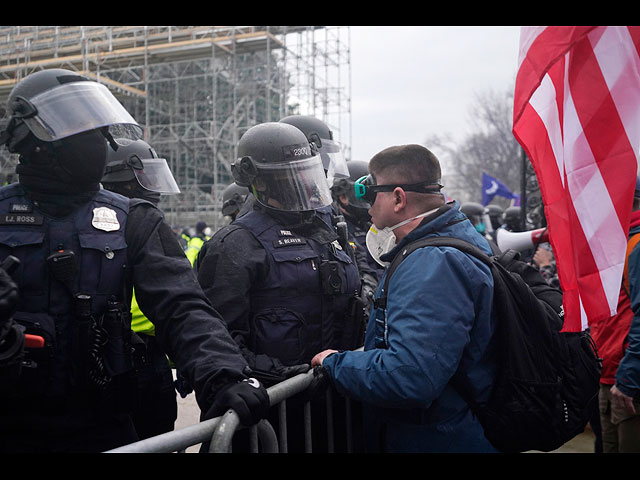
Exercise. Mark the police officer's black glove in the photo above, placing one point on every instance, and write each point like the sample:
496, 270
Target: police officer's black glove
293, 370
317, 387
248, 398
368, 289
270, 370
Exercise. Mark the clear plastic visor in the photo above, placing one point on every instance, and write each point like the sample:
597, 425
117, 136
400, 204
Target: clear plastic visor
74, 108
156, 176
333, 160
293, 186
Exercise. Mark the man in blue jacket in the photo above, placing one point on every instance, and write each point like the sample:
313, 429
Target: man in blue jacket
621, 420
438, 317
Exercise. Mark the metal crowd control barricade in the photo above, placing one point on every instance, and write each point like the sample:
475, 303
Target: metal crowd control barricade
220, 430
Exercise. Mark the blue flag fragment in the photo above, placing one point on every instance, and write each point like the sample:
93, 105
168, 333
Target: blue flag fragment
491, 187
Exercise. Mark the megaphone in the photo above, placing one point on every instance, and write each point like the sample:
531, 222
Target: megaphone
520, 241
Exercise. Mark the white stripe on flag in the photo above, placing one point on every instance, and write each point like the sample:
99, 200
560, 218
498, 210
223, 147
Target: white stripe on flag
620, 66
544, 103
596, 159
594, 208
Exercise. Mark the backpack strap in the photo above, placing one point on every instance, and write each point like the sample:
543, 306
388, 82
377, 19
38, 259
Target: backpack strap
459, 381
462, 245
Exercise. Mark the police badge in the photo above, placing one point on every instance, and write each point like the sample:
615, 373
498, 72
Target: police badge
105, 219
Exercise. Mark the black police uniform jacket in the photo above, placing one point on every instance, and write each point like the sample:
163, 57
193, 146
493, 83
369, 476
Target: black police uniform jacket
117, 244
283, 291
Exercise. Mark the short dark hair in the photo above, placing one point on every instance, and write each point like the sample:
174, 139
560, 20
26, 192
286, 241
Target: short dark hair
407, 164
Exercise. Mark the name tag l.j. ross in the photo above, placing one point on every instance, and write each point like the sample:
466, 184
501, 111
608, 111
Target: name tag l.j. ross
20, 219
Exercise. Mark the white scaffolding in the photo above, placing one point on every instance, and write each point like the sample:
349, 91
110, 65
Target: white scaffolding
195, 89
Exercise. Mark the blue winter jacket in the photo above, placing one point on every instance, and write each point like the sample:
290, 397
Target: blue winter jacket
438, 319
628, 373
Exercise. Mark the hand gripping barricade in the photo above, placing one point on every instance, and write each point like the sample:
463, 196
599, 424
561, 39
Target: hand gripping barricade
547, 380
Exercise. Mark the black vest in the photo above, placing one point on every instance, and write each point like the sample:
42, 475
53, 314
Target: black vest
301, 307
90, 240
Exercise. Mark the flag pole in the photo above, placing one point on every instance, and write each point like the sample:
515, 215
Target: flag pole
523, 189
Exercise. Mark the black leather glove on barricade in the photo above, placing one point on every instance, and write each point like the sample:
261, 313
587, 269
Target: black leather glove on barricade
317, 387
269, 370
248, 398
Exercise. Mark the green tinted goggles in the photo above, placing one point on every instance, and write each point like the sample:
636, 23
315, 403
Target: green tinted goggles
367, 189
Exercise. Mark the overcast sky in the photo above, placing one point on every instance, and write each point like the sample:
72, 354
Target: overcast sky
410, 82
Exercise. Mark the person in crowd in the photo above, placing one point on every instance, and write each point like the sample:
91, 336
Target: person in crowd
335, 168
617, 339
196, 241
233, 199
422, 337
480, 219
278, 274
135, 171
495, 214
513, 219
545, 261
81, 250
355, 210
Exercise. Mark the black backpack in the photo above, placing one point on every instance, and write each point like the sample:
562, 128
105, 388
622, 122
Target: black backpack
547, 382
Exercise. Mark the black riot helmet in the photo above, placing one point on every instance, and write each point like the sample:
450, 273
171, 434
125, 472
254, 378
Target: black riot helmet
135, 169
59, 123
320, 134
496, 215
476, 214
283, 170
513, 219
233, 198
472, 210
56, 103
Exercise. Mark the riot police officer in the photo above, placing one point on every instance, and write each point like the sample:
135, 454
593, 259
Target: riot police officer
335, 167
292, 281
319, 133
496, 215
480, 219
355, 210
81, 250
135, 171
513, 219
476, 215
233, 198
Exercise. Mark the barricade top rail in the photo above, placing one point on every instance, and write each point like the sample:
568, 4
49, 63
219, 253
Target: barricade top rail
219, 430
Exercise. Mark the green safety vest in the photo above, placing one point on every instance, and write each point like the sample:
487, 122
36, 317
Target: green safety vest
193, 248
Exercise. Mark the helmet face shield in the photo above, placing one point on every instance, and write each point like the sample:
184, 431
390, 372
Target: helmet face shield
333, 160
73, 108
156, 176
292, 186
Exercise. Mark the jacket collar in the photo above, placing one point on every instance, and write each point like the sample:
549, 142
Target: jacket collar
429, 224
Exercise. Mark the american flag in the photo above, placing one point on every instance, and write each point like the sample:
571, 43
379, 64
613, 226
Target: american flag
577, 116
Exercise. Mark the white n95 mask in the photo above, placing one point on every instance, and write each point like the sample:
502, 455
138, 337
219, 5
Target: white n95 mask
382, 241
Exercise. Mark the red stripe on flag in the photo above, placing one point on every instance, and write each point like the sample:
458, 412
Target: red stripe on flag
586, 169
548, 47
532, 135
601, 124
585, 272
635, 37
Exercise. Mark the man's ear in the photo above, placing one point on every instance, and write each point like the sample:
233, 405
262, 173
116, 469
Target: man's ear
399, 199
